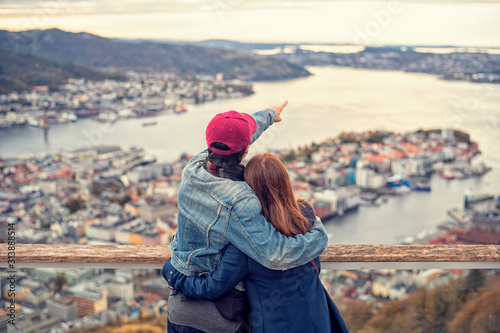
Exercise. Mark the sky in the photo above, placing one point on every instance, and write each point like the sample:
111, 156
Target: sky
372, 22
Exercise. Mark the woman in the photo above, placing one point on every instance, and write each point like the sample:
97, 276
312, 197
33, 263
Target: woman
293, 300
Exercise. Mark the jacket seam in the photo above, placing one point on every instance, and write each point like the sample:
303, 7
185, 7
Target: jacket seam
206, 191
250, 240
206, 234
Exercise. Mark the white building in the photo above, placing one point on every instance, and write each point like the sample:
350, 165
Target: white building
63, 308
328, 196
447, 134
121, 288
368, 178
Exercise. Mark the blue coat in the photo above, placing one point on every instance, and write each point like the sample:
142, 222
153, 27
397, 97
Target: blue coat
291, 300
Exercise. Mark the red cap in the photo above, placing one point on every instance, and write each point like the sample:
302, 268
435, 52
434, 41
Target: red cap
231, 128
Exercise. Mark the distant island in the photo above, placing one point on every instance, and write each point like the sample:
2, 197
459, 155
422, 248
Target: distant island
474, 64
467, 66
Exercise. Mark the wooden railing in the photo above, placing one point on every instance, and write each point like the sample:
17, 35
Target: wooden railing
335, 256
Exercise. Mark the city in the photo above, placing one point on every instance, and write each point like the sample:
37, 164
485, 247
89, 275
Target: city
107, 195
142, 95
390, 132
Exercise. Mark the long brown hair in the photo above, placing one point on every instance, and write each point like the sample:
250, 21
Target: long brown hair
269, 179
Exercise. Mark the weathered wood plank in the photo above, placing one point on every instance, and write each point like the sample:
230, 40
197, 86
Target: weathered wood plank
411, 253
142, 254
60, 253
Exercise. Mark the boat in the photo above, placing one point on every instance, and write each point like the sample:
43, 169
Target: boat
179, 108
380, 200
425, 188
107, 117
402, 190
33, 122
149, 123
446, 174
397, 181
420, 186
87, 113
72, 117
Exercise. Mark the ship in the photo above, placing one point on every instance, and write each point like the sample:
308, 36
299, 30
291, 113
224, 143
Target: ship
87, 113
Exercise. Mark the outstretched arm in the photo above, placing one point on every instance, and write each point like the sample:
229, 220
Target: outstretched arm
231, 269
266, 118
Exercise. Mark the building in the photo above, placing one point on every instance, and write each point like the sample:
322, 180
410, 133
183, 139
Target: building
104, 229
37, 321
369, 179
29, 292
448, 135
120, 287
168, 225
165, 190
63, 308
486, 222
156, 286
73, 276
325, 203
89, 300
150, 212
132, 208
4, 321
348, 198
413, 166
381, 286
334, 178
139, 232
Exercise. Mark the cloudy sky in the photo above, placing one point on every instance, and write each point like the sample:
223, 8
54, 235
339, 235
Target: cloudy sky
409, 22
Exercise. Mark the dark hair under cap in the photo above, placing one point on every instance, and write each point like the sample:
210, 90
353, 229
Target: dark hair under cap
227, 162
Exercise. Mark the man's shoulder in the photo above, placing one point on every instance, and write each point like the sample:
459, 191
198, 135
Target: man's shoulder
229, 191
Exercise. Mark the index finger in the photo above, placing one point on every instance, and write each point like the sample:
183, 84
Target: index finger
284, 104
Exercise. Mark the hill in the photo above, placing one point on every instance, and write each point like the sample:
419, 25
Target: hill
469, 303
99, 52
20, 72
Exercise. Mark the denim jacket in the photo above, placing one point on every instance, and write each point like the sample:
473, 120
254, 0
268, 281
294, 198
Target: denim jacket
214, 212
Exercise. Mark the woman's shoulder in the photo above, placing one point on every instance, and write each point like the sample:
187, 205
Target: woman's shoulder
307, 210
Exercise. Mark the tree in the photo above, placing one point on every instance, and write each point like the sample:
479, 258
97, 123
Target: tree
474, 280
391, 318
59, 282
356, 314
442, 304
75, 204
481, 314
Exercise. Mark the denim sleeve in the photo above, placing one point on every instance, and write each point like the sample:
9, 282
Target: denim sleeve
231, 269
256, 237
264, 119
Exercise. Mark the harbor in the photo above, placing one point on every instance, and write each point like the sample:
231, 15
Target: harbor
144, 95
381, 219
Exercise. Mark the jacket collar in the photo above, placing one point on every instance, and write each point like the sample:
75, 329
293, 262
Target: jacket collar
235, 174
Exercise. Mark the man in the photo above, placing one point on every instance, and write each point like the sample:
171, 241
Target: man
216, 207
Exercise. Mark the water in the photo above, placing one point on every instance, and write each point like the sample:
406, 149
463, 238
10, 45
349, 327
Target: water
321, 106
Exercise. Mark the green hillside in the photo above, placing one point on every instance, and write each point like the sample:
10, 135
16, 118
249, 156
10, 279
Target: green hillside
20, 72
99, 52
